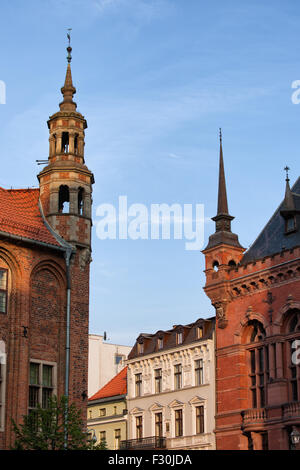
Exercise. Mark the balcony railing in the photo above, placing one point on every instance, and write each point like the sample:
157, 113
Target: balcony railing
254, 415
291, 410
144, 443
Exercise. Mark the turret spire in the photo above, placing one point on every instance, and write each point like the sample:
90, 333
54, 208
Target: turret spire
68, 90
223, 234
222, 195
289, 205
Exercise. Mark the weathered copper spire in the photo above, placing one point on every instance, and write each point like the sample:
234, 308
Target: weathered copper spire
68, 90
223, 220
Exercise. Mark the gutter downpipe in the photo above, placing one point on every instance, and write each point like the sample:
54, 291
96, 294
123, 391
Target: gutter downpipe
68, 255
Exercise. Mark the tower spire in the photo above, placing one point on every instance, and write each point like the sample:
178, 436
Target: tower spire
222, 194
68, 90
223, 234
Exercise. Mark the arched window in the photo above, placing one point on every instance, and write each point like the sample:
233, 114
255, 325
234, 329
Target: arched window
232, 263
216, 265
258, 356
291, 327
64, 199
65, 142
80, 201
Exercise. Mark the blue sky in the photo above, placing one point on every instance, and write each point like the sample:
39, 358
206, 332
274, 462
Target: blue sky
155, 80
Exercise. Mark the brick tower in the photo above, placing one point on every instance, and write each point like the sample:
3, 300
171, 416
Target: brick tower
66, 198
66, 182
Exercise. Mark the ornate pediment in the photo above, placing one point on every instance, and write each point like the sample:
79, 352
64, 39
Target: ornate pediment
175, 403
156, 407
136, 410
197, 400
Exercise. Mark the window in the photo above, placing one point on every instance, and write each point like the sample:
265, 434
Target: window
41, 384
102, 412
102, 436
139, 427
178, 423
3, 290
80, 201
179, 337
293, 374
290, 224
199, 372
115, 410
160, 343
76, 144
2, 384
158, 425
138, 385
158, 380
117, 438
63, 199
199, 332
178, 376
118, 359
199, 419
140, 348
259, 367
65, 142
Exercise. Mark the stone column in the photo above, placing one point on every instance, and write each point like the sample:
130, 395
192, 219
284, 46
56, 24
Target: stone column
87, 204
272, 361
58, 142
257, 441
54, 201
73, 201
279, 372
71, 142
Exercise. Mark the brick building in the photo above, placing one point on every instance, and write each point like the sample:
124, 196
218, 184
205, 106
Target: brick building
45, 246
256, 295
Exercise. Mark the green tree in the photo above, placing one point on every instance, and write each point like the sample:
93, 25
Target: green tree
46, 428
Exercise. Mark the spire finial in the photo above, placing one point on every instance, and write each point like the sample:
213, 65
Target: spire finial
220, 134
69, 48
286, 169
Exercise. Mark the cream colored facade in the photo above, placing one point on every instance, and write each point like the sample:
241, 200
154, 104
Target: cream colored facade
169, 400
108, 416
105, 361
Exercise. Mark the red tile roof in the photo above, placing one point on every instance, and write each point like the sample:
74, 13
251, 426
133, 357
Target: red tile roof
20, 215
116, 386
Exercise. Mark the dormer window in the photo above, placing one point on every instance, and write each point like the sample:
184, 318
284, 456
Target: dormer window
140, 348
199, 332
160, 343
290, 224
179, 337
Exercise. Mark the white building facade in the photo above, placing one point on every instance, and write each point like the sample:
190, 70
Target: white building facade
105, 361
171, 388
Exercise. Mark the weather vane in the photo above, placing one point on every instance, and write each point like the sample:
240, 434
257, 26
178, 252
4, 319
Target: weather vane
287, 173
69, 48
